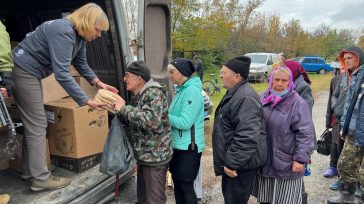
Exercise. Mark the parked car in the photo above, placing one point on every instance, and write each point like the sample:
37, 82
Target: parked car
315, 64
261, 65
296, 59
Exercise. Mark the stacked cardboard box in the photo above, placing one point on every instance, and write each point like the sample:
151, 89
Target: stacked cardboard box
76, 134
52, 90
89, 89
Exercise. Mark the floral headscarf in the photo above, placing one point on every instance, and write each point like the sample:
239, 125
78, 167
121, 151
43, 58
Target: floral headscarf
271, 96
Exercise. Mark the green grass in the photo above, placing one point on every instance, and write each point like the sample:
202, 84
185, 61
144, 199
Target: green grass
319, 82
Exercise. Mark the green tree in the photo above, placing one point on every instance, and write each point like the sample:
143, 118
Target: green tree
361, 40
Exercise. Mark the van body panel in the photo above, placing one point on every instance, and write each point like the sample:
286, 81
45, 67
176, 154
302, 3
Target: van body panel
154, 27
261, 65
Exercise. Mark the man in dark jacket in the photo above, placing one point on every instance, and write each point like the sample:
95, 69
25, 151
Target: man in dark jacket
239, 135
352, 125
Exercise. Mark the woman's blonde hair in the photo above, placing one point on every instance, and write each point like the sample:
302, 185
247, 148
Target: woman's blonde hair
85, 18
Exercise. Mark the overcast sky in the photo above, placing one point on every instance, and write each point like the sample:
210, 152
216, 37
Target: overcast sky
337, 14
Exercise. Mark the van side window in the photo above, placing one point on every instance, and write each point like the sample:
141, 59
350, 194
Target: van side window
270, 61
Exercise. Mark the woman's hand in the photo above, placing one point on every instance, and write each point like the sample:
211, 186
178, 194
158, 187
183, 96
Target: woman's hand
119, 104
297, 167
4, 92
230, 173
102, 85
95, 104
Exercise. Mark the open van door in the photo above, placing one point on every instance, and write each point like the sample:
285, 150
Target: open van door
154, 38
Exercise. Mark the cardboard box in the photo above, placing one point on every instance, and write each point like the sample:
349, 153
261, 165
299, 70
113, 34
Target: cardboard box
74, 72
52, 90
73, 131
76, 165
86, 87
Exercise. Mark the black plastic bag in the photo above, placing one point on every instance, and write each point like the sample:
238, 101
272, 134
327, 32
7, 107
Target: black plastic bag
118, 154
324, 143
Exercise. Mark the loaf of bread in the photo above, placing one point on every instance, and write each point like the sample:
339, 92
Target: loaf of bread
108, 97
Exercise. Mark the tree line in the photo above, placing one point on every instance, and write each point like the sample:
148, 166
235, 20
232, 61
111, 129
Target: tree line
215, 30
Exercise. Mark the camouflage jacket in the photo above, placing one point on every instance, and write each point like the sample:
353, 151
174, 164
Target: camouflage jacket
147, 117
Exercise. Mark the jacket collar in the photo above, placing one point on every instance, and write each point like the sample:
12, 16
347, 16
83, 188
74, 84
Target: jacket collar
285, 104
230, 93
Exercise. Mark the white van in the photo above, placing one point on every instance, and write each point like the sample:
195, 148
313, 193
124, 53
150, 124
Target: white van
261, 65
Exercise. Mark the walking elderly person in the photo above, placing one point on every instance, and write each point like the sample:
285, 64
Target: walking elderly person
186, 116
147, 118
239, 136
51, 48
289, 133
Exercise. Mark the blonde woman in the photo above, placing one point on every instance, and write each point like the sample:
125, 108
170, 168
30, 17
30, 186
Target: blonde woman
51, 48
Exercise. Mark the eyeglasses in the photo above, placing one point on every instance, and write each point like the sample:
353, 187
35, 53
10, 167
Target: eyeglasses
132, 76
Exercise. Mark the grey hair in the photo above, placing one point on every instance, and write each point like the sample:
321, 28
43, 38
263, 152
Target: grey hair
172, 67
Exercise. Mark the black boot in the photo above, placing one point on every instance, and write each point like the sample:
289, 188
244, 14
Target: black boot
361, 198
347, 195
304, 197
358, 191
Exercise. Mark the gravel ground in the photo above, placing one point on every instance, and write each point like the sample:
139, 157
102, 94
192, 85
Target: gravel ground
316, 185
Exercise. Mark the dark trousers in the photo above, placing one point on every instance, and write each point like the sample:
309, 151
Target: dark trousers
335, 152
151, 183
184, 192
237, 190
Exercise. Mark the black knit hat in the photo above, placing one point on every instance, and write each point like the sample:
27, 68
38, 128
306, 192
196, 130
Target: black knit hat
139, 68
240, 65
184, 66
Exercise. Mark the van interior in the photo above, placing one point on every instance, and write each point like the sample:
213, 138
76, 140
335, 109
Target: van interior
108, 56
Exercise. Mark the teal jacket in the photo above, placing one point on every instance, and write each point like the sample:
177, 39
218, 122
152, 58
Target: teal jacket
186, 110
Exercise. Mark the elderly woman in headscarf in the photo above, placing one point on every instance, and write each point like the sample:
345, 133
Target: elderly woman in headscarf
289, 133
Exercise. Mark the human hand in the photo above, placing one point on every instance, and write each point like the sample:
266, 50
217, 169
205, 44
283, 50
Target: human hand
230, 173
118, 104
297, 167
95, 104
4, 92
102, 85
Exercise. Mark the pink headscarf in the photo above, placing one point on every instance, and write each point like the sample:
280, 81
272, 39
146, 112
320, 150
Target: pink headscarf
297, 69
272, 98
